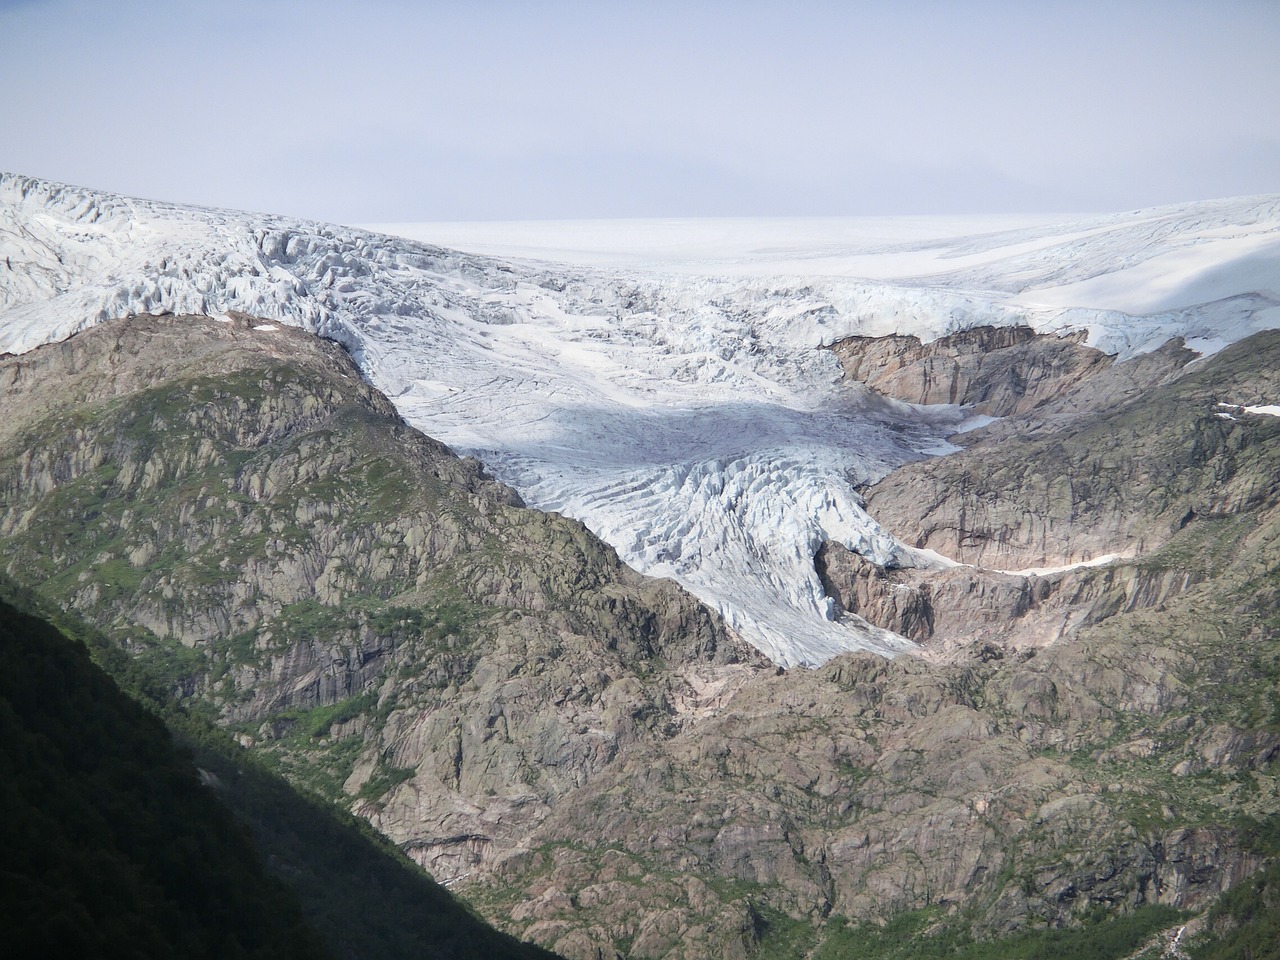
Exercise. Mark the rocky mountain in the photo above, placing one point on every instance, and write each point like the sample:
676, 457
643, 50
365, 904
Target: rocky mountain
1121, 481
1077, 739
680, 411
588, 755
378, 615
1099, 737
117, 844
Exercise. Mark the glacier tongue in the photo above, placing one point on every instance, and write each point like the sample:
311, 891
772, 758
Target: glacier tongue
691, 422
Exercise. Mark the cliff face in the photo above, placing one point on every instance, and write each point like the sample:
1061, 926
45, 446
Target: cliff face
996, 370
1078, 512
192, 849
598, 765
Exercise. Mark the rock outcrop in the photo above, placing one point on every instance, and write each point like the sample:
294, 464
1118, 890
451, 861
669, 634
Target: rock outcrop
996, 370
962, 606
1122, 482
956, 604
1011, 789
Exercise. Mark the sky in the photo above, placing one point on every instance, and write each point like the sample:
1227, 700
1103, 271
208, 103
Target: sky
436, 110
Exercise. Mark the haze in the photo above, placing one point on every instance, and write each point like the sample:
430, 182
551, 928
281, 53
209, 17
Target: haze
399, 111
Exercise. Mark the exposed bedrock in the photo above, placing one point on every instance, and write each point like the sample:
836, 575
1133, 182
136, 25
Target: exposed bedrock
1122, 481
1106, 389
1154, 473
924, 604
958, 606
997, 370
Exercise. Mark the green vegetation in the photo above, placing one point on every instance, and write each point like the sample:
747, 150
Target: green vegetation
384, 781
1245, 923
926, 935
778, 936
170, 500
360, 893
89, 776
112, 846
318, 721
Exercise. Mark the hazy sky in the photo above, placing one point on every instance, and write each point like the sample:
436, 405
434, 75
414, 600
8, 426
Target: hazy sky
398, 110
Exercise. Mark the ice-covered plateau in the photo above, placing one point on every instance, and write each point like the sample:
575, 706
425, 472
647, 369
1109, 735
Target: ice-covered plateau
672, 397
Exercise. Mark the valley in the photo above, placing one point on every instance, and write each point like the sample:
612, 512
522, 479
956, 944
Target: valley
982, 684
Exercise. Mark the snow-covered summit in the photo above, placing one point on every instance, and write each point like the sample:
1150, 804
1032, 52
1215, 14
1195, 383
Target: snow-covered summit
681, 409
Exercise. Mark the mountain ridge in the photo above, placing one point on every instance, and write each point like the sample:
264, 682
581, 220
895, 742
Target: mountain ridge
232, 862
196, 508
630, 400
589, 757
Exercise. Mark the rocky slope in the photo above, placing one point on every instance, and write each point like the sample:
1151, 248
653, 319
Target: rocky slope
598, 765
1121, 481
236, 503
999, 791
1109, 466
1058, 754
211, 858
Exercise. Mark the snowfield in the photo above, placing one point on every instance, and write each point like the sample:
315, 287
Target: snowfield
663, 382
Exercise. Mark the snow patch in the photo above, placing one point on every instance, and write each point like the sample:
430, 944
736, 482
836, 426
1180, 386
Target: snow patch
976, 422
1044, 571
1206, 346
1266, 410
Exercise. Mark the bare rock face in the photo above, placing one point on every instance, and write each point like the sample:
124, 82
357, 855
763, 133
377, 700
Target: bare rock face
996, 370
1160, 486
1122, 482
1003, 783
963, 606
952, 603
1106, 388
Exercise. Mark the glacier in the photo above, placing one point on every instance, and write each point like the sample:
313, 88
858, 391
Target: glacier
673, 396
